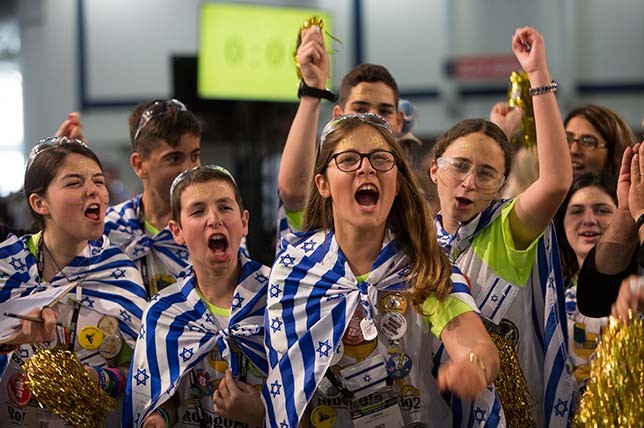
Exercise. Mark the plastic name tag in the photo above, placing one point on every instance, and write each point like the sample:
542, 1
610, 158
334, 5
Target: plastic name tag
385, 414
366, 377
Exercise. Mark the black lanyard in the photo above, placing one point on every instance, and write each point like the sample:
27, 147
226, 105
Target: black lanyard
144, 259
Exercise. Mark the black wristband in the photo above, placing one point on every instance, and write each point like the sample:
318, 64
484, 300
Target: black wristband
640, 222
306, 91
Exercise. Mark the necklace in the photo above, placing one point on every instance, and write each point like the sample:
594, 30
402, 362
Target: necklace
42, 249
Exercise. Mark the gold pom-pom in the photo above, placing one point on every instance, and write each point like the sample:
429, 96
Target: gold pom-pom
511, 386
308, 23
519, 96
60, 382
614, 396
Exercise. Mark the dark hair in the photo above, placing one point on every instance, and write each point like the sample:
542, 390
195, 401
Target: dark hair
200, 174
370, 73
603, 181
613, 129
42, 169
409, 218
169, 126
471, 126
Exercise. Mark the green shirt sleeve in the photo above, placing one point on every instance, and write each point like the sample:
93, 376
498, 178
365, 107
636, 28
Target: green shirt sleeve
438, 313
495, 246
295, 220
124, 356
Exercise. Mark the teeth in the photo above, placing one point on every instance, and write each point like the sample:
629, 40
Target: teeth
216, 237
367, 187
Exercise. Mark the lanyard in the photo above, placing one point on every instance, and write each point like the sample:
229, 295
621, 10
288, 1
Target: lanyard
149, 288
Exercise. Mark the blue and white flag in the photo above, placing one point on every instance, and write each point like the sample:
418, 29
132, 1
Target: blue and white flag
532, 315
312, 296
123, 227
109, 282
178, 331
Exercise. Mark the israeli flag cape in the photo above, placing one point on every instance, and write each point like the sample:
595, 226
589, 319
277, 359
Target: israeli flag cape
311, 298
123, 227
543, 362
178, 331
110, 283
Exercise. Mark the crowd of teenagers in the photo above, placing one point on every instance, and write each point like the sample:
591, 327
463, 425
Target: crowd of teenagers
398, 297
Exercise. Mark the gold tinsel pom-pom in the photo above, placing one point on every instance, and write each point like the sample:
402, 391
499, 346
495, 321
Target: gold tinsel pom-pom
519, 96
614, 396
308, 23
511, 386
60, 382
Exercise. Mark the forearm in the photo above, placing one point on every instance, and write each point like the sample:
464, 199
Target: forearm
298, 156
615, 247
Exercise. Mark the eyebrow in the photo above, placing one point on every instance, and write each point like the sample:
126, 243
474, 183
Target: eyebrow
225, 199
484, 165
368, 104
81, 176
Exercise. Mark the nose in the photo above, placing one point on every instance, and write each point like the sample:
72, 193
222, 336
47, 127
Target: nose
469, 181
214, 219
589, 217
574, 147
365, 166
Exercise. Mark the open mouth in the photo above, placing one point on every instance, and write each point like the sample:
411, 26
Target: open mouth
218, 244
463, 202
367, 195
93, 212
589, 234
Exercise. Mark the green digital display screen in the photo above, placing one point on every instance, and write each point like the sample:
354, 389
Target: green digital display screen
246, 52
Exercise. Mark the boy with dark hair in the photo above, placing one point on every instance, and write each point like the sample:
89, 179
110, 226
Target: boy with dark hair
367, 88
165, 140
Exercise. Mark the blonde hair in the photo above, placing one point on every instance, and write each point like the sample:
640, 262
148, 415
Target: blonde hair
409, 217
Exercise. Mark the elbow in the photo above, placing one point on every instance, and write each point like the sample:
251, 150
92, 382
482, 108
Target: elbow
293, 198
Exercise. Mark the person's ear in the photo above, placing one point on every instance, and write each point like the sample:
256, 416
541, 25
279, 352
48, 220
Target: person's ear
38, 204
138, 165
397, 123
175, 229
244, 219
337, 111
323, 186
433, 172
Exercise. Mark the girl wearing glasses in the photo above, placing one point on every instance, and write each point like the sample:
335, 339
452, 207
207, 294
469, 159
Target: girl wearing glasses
100, 317
200, 360
597, 137
352, 300
506, 247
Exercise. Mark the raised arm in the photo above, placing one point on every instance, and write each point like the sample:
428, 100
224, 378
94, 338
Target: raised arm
298, 156
538, 204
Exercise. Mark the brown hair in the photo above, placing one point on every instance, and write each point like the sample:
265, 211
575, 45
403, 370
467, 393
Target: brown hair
370, 73
168, 126
409, 217
613, 129
471, 126
200, 174
43, 167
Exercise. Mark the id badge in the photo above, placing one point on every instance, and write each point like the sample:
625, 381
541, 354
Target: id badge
366, 377
35, 416
385, 414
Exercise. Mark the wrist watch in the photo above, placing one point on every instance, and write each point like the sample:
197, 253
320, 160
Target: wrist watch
306, 91
640, 222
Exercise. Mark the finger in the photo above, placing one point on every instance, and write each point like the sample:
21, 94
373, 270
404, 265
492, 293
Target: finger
223, 389
218, 402
62, 130
231, 383
635, 169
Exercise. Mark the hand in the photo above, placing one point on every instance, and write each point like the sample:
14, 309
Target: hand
463, 378
636, 190
529, 48
72, 127
313, 58
154, 420
507, 118
239, 401
631, 296
36, 332
624, 179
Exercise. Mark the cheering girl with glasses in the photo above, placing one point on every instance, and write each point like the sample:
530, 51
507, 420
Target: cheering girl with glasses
507, 247
100, 317
351, 301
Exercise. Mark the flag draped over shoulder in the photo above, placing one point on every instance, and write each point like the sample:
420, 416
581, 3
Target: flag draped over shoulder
500, 300
178, 331
123, 226
312, 295
109, 281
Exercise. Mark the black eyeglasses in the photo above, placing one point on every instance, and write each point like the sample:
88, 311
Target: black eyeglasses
351, 160
159, 108
586, 141
48, 143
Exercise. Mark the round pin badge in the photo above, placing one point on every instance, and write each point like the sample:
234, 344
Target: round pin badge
393, 302
393, 325
323, 417
90, 337
108, 325
398, 365
18, 389
111, 346
353, 334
